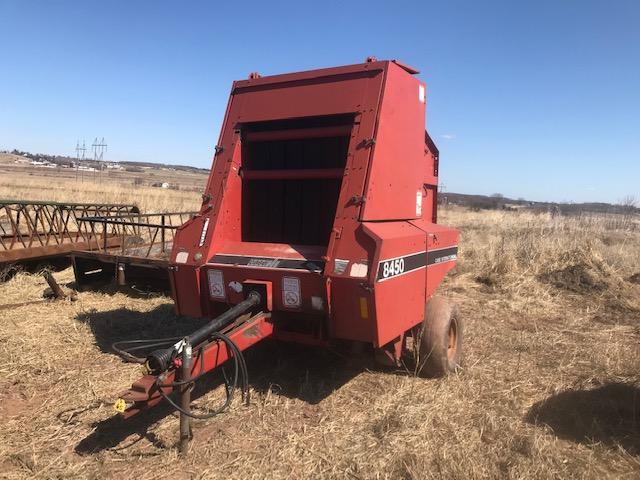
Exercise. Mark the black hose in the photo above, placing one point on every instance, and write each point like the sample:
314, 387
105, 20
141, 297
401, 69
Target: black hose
240, 373
160, 360
221, 321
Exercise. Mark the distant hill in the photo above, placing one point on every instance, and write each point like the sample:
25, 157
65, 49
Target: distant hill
10, 158
68, 161
497, 201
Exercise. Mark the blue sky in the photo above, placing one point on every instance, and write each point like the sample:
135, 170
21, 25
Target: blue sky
536, 99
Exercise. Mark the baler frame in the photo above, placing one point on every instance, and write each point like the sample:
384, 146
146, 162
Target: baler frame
322, 201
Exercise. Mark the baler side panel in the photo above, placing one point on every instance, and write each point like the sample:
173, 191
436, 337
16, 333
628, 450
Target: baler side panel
442, 245
352, 306
430, 190
443, 239
395, 179
432, 156
229, 224
398, 273
186, 290
185, 268
352, 309
194, 239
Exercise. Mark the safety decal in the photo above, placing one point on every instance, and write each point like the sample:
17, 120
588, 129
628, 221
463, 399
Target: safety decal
339, 266
216, 284
291, 292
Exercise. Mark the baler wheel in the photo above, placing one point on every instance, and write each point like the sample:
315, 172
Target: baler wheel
438, 346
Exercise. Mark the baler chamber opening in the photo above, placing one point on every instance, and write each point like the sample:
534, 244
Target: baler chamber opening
291, 177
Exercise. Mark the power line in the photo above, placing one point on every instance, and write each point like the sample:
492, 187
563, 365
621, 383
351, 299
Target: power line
98, 153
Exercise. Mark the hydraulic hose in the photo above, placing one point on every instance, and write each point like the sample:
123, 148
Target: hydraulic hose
160, 360
218, 323
240, 378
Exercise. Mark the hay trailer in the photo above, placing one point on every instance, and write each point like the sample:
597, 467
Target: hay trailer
318, 226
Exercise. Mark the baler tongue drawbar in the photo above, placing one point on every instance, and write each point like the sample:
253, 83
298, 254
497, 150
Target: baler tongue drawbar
178, 367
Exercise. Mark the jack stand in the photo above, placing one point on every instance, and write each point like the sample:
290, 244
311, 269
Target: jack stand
185, 399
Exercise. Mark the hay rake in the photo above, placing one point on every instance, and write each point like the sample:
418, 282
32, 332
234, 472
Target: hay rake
35, 230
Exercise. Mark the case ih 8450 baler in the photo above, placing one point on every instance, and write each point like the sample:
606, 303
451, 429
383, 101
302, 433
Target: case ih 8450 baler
317, 226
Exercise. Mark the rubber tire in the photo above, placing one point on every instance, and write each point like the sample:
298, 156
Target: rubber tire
433, 358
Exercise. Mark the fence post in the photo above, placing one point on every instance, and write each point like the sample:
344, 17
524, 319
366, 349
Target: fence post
104, 235
162, 233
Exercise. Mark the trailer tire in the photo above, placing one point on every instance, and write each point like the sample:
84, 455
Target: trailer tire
438, 347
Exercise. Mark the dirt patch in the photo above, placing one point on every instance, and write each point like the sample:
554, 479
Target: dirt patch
635, 278
13, 404
489, 280
576, 278
617, 317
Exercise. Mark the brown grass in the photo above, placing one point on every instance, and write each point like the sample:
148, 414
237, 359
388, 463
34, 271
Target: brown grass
550, 386
58, 187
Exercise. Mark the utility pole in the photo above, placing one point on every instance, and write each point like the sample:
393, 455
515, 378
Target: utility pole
77, 157
98, 153
80, 150
441, 196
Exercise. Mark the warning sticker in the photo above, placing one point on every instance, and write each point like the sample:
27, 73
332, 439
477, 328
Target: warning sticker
216, 284
339, 266
291, 292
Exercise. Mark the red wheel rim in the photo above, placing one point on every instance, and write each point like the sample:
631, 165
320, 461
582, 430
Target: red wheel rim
452, 341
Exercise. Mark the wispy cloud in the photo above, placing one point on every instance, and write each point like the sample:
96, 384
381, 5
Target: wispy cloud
448, 136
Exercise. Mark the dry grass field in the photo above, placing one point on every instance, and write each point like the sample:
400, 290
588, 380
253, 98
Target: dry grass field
550, 386
149, 199
24, 182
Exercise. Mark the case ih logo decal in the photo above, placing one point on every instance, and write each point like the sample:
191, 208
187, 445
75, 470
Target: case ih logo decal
263, 262
443, 255
395, 267
315, 266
